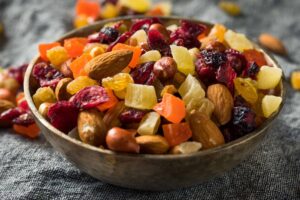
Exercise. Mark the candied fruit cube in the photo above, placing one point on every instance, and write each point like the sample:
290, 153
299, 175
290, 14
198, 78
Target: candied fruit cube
77, 66
217, 32
172, 108
230, 8
246, 88
140, 36
176, 134
270, 104
43, 48
190, 89
268, 77
140, 6
183, 59
75, 46
57, 56
295, 80
79, 83
88, 8
42, 95
149, 56
140, 96
109, 11
149, 124
237, 41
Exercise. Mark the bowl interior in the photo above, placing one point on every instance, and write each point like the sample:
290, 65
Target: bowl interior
29, 89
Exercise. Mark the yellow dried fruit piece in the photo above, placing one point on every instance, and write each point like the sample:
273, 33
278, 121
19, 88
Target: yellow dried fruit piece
270, 104
57, 56
183, 59
237, 41
203, 105
140, 96
246, 88
118, 82
230, 8
171, 89
217, 32
79, 83
140, 36
295, 80
109, 11
268, 77
137, 5
149, 56
43, 95
81, 21
96, 51
149, 124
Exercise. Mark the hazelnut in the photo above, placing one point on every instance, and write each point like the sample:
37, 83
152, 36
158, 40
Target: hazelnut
165, 68
163, 31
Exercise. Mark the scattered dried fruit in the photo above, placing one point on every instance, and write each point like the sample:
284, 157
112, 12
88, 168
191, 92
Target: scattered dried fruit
295, 80
270, 104
272, 43
230, 8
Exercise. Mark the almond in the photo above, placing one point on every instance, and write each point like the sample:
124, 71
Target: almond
153, 144
91, 127
5, 105
221, 97
205, 131
108, 64
61, 89
272, 43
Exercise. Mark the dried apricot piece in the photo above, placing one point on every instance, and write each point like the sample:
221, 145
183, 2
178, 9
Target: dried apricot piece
77, 66
295, 80
43, 48
112, 101
88, 8
75, 46
253, 55
31, 131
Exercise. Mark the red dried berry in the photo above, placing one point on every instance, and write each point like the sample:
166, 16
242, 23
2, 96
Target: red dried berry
121, 39
9, 115
25, 119
206, 73
236, 60
157, 42
143, 74
143, 24
226, 75
90, 97
18, 73
108, 35
24, 105
131, 115
47, 75
63, 116
213, 58
251, 70
191, 28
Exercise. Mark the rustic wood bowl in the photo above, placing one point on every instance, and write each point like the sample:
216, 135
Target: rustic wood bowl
144, 171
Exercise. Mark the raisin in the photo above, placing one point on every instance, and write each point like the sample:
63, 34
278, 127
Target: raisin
131, 115
236, 60
213, 58
143, 74
205, 72
108, 35
46, 75
90, 97
63, 116
243, 120
25, 119
251, 70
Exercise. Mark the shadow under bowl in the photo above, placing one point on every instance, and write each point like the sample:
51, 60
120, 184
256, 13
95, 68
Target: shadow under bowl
145, 171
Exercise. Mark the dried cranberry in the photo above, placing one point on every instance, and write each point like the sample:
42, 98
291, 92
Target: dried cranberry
243, 120
24, 119
205, 72
23, 105
226, 75
157, 42
143, 24
236, 60
63, 116
47, 75
143, 74
251, 70
90, 97
131, 115
9, 115
192, 28
213, 58
93, 38
121, 39
108, 35
18, 73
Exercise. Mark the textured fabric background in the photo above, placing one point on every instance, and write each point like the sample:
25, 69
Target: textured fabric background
34, 170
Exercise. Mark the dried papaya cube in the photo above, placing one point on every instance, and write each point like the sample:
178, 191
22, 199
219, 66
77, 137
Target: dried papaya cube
176, 134
88, 8
77, 66
253, 55
43, 48
75, 46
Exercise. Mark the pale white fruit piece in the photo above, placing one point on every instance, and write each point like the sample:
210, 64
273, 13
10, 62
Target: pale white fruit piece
183, 59
187, 147
268, 77
140, 36
270, 104
149, 56
149, 124
237, 41
172, 27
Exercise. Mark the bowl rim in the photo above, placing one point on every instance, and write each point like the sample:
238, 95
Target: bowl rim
106, 152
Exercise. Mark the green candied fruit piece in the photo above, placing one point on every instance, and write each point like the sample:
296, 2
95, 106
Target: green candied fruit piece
149, 124
140, 96
190, 89
183, 59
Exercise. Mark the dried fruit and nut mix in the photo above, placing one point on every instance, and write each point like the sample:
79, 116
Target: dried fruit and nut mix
144, 86
89, 11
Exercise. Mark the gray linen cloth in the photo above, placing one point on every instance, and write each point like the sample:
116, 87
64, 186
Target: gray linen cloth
34, 170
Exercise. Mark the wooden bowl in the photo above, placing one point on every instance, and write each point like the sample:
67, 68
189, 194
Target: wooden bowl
145, 171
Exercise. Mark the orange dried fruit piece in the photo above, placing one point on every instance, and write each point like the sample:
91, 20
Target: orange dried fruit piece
136, 53
77, 66
32, 131
246, 89
172, 108
217, 32
43, 48
88, 8
57, 56
112, 101
176, 134
295, 80
253, 55
75, 46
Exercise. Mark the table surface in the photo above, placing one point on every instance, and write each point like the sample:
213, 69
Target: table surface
34, 170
